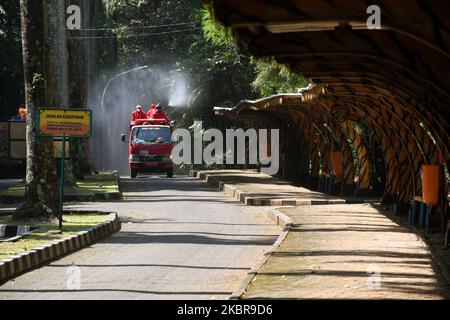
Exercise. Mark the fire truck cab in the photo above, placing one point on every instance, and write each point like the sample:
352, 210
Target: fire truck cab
150, 147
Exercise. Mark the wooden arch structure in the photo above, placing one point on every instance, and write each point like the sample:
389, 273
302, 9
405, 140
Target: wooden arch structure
395, 80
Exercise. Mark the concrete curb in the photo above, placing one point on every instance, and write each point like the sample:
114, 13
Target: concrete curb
118, 187
249, 200
286, 224
31, 259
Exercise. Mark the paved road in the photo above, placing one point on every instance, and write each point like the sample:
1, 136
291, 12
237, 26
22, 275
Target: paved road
180, 239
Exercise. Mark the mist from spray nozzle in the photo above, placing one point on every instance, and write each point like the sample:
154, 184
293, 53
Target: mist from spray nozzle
179, 93
112, 118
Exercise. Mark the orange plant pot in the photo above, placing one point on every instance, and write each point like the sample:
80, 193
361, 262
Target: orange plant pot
430, 184
337, 163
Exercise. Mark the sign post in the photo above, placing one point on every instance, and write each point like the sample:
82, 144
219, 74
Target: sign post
64, 123
61, 181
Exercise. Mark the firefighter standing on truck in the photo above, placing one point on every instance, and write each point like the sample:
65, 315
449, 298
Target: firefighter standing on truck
138, 114
158, 114
152, 110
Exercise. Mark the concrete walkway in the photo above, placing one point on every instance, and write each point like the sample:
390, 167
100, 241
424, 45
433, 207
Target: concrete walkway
267, 190
339, 251
348, 252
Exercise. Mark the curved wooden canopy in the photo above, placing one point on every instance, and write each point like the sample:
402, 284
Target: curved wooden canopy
395, 79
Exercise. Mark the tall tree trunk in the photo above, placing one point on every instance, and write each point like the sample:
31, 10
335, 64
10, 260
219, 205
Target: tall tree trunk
45, 77
80, 66
56, 60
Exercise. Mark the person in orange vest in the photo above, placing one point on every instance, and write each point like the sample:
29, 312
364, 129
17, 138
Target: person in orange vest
138, 114
23, 113
159, 114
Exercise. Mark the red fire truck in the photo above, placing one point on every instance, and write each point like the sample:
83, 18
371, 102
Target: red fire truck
150, 147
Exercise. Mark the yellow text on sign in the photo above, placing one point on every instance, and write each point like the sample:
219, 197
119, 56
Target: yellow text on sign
68, 122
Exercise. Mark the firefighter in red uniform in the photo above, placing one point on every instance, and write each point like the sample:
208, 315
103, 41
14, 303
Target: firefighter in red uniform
138, 114
160, 115
151, 111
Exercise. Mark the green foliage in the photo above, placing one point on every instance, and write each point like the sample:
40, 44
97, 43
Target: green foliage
269, 76
2, 18
273, 78
213, 31
377, 168
159, 33
11, 79
114, 5
219, 74
152, 32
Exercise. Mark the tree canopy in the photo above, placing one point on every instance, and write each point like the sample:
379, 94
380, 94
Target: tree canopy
176, 35
11, 78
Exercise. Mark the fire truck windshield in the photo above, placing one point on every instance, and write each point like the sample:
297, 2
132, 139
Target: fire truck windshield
150, 135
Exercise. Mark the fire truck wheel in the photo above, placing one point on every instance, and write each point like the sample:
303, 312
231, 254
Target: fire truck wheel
170, 173
133, 174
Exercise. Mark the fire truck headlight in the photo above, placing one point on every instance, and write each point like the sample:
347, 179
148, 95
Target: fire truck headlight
134, 158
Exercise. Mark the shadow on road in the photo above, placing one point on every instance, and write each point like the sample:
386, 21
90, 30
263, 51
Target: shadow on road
158, 183
144, 238
115, 290
146, 266
173, 222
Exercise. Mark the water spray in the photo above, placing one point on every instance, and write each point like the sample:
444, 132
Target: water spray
143, 85
115, 77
